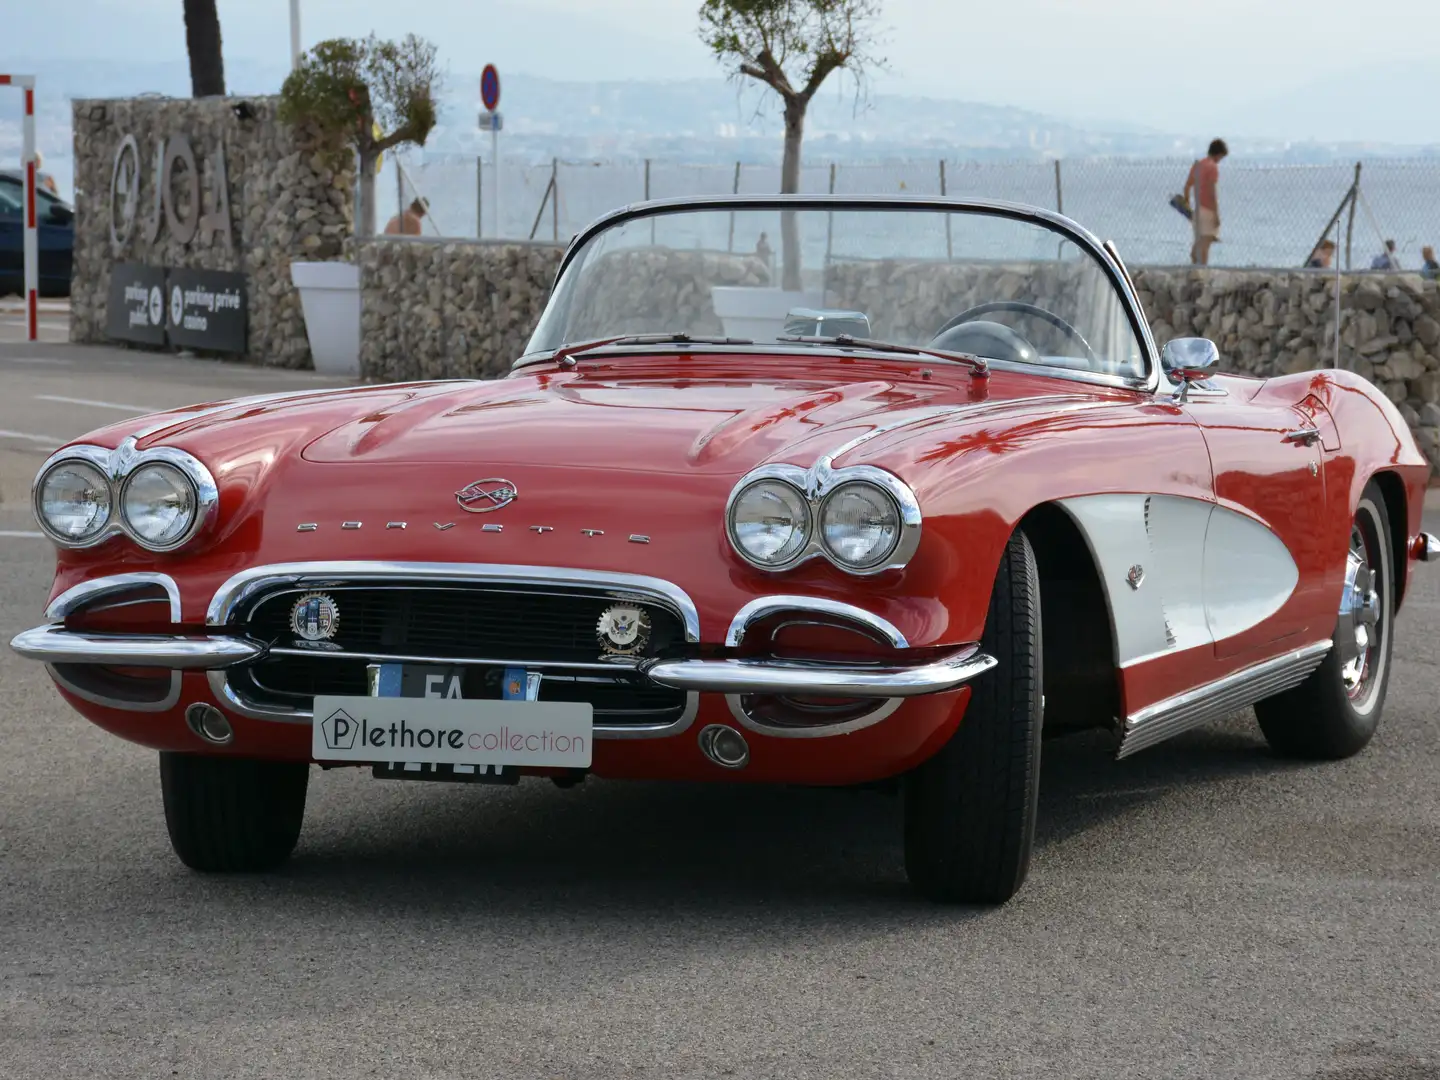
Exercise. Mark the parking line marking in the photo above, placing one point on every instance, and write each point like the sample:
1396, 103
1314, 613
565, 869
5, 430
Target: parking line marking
27, 437
36, 360
18, 534
92, 403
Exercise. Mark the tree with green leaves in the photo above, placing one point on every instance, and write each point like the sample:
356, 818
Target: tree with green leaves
371, 94
792, 46
202, 43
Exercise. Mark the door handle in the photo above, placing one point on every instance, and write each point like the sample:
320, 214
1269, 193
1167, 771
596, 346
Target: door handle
1305, 436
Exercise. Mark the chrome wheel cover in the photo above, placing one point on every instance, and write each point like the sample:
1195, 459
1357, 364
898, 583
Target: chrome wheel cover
1359, 636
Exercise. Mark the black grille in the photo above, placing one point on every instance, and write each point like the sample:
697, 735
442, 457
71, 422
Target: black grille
463, 623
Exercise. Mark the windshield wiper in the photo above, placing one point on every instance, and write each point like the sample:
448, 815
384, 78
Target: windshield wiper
565, 355
845, 341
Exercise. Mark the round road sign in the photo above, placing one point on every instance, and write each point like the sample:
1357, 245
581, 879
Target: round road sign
490, 87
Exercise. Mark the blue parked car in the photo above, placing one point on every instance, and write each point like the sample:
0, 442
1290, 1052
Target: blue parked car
55, 221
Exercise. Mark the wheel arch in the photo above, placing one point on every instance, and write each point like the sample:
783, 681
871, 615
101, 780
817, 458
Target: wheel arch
1081, 682
1392, 489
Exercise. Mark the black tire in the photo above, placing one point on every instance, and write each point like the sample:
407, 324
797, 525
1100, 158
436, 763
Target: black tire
970, 810
1324, 718
232, 814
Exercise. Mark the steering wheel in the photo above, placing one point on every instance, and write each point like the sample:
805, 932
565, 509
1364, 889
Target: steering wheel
1025, 309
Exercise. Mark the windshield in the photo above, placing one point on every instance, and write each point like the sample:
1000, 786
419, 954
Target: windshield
959, 280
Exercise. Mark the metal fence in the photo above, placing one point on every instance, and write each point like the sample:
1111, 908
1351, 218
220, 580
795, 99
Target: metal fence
1272, 215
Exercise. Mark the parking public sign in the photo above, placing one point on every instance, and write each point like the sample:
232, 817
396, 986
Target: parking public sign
489, 87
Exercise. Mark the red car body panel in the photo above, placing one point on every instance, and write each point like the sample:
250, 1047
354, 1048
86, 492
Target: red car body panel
651, 445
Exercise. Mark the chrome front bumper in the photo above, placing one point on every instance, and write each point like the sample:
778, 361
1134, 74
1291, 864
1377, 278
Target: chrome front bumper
53, 644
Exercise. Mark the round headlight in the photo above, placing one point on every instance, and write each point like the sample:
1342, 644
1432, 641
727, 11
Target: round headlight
159, 504
73, 501
770, 523
860, 525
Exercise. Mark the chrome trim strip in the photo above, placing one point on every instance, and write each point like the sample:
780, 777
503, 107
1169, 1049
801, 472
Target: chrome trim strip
169, 701
766, 606
247, 584
1238, 690
232, 700
53, 644
1066, 227
79, 597
621, 664
737, 709
118, 466
821, 680
816, 485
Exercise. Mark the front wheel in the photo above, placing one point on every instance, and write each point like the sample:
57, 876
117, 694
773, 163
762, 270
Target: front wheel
232, 814
1334, 713
970, 810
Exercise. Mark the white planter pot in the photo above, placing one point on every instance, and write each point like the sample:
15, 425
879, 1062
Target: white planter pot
758, 314
330, 298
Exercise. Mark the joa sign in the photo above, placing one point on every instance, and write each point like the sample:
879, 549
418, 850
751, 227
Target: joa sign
180, 217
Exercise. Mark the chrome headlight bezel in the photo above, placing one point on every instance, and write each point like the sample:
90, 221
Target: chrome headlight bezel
117, 466
816, 484
806, 524
884, 496
37, 499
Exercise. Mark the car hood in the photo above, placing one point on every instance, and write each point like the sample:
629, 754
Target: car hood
651, 421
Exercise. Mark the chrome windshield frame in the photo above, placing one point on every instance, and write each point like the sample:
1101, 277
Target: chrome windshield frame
1066, 227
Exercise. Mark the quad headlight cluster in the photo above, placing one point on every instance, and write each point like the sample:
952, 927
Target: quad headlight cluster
161, 498
861, 518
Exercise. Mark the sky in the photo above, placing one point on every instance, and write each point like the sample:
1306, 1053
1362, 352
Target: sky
1326, 69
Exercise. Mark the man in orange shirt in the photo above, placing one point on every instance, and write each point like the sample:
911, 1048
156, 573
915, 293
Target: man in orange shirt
1204, 175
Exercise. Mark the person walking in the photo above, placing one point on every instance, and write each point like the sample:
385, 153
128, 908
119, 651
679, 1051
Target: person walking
1387, 259
1429, 268
1204, 176
1321, 257
408, 223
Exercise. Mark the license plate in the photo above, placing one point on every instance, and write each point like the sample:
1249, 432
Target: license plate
417, 720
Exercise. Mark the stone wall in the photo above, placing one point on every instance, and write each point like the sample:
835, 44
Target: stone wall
287, 203
437, 309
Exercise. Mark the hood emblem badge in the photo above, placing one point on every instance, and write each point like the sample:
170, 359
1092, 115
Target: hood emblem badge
447, 525
483, 496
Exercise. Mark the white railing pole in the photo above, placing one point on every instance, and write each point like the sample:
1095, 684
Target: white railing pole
31, 235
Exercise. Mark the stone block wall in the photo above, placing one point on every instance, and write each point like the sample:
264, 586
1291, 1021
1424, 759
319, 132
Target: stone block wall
287, 202
439, 309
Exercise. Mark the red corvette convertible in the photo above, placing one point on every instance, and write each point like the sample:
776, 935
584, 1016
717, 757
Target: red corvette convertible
887, 507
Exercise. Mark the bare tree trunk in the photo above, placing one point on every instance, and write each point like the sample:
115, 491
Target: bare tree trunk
365, 220
202, 41
789, 185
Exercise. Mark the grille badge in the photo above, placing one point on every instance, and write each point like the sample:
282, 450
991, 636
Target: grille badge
315, 617
623, 629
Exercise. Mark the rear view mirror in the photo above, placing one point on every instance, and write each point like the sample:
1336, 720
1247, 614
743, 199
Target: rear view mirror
60, 215
1188, 360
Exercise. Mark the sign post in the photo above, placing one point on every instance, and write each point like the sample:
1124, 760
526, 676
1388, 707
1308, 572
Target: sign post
30, 241
490, 119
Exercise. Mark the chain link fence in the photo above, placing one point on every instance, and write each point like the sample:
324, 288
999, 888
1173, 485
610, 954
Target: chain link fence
1271, 215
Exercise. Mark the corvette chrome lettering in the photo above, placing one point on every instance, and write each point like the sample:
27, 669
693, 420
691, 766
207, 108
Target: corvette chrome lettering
445, 526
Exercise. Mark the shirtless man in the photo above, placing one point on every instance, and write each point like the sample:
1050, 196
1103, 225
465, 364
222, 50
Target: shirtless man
1204, 175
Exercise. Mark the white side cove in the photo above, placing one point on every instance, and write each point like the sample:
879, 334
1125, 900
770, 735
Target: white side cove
1181, 572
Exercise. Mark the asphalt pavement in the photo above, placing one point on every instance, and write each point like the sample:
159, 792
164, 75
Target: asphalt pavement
1200, 910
